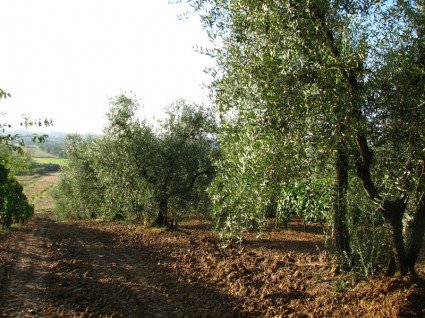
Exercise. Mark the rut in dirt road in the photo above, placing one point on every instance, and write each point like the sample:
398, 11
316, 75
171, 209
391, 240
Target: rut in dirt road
69, 271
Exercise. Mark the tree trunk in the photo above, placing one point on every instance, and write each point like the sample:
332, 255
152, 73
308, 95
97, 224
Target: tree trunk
393, 212
340, 230
7, 219
162, 218
418, 226
276, 220
391, 268
416, 236
6, 222
3, 181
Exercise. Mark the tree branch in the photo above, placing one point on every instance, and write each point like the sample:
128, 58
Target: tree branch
363, 167
366, 156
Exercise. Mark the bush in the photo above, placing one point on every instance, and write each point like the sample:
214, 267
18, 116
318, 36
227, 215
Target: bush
15, 207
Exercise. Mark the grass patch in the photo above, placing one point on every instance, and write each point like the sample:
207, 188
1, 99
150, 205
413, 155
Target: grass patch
43, 165
50, 161
38, 186
35, 151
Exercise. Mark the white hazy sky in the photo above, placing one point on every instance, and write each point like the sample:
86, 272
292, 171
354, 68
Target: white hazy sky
63, 59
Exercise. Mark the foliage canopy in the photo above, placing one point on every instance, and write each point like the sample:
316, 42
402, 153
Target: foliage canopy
330, 93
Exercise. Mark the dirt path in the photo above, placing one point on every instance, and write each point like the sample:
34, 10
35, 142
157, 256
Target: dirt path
37, 187
24, 282
91, 269
65, 270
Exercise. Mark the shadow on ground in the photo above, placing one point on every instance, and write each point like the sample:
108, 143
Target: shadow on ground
91, 273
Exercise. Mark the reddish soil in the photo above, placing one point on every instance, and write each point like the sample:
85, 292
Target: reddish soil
92, 269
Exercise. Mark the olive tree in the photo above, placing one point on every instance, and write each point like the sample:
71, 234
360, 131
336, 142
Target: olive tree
141, 172
337, 83
79, 194
175, 162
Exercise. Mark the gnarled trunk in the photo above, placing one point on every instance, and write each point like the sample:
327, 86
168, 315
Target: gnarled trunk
418, 226
393, 212
416, 236
162, 218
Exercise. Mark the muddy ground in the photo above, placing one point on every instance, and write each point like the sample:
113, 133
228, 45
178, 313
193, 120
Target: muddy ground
92, 269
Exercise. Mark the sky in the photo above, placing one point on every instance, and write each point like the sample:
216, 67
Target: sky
64, 59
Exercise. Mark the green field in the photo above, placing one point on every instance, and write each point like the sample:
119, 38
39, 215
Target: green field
35, 151
43, 165
50, 161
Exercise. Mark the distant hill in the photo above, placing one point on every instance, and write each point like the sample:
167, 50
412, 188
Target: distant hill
53, 146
